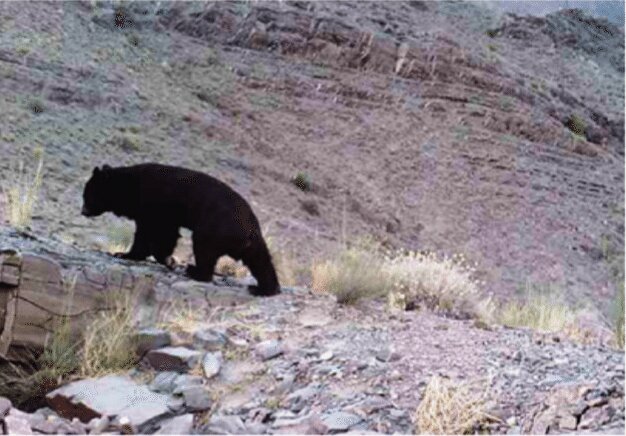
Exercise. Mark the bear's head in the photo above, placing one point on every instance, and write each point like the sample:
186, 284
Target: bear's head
97, 194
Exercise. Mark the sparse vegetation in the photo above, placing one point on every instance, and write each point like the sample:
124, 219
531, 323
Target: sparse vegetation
491, 33
21, 190
36, 105
354, 274
104, 347
408, 279
28, 383
440, 283
127, 142
227, 266
133, 39
618, 321
108, 341
119, 238
302, 181
539, 310
286, 269
577, 125
506, 103
182, 318
450, 407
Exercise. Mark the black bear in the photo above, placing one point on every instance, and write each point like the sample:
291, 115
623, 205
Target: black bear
161, 199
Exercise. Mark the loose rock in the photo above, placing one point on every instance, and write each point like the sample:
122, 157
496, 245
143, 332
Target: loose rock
173, 359
211, 364
269, 349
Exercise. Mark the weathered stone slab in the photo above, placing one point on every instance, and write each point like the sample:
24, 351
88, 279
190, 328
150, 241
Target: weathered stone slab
209, 339
111, 396
151, 339
196, 398
17, 422
178, 359
225, 424
177, 425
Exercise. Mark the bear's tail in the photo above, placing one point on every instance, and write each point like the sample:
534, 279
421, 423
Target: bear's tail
259, 261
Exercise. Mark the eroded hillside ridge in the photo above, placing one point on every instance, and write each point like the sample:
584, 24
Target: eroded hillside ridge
426, 125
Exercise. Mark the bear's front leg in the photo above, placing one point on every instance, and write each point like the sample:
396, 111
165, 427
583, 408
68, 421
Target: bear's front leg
141, 244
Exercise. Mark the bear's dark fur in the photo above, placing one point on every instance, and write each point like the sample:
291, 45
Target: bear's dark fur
161, 199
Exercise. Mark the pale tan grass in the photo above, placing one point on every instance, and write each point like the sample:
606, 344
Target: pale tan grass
450, 407
445, 283
108, 342
21, 190
352, 275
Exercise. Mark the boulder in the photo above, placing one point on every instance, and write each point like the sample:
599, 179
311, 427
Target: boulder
111, 396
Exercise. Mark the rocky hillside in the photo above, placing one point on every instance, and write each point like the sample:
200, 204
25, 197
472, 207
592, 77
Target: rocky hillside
297, 363
431, 126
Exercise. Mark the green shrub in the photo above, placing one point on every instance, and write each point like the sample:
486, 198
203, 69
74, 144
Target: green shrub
302, 181
577, 125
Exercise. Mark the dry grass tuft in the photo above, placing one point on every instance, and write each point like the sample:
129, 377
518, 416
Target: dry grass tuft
119, 238
227, 266
440, 283
449, 407
108, 344
286, 268
354, 274
538, 311
182, 318
21, 191
618, 328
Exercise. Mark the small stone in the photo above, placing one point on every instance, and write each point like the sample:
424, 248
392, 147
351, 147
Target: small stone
597, 402
173, 359
237, 342
256, 428
151, 339
197, 398
595, 417
184, 381
178, 425
340, 421
5, 406
125, 425
16, 422
511, 421
516, 430
568, 422
387, 356
298, 399
284, 386
164, 382
327, 355
269, 349
98, 425
209, 339
222, 424
211, 364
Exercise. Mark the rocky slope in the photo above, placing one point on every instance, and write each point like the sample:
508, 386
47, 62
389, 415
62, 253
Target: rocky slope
427, 125
299, 363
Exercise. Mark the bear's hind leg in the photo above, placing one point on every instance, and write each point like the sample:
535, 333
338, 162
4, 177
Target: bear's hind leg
206, 258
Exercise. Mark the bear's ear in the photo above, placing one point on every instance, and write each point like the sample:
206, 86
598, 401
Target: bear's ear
106, 167
96, 171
